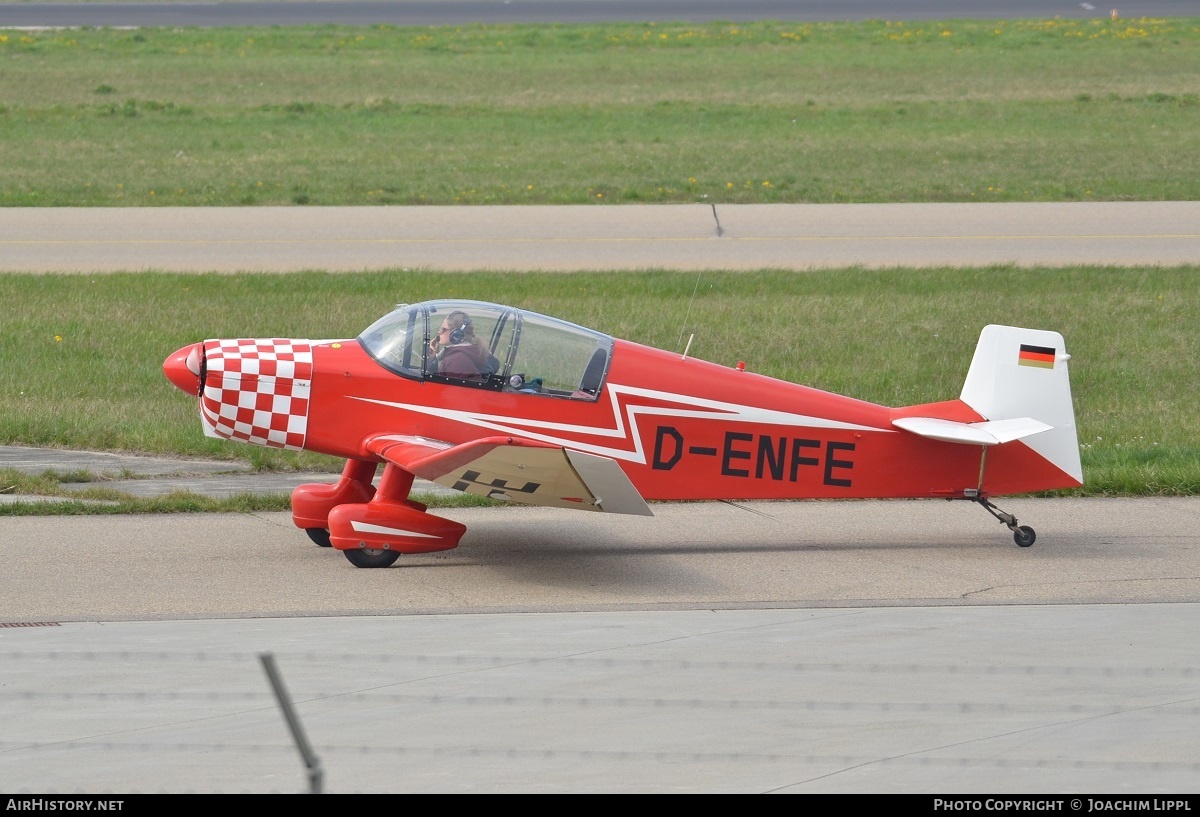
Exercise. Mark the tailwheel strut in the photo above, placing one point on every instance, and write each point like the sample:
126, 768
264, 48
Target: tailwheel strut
1023, 535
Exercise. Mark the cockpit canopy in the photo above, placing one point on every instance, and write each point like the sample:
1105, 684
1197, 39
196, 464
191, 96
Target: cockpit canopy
484, 345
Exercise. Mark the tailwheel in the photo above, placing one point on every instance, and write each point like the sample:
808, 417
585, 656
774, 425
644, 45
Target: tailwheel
1023, 535
371, 557
320, 536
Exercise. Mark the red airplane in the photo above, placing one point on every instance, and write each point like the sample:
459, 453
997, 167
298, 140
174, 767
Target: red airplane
506, 403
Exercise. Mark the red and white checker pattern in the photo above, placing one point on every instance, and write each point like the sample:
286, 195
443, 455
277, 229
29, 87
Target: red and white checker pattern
256, 390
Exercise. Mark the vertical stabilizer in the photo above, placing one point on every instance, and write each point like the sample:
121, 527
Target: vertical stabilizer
1019, 373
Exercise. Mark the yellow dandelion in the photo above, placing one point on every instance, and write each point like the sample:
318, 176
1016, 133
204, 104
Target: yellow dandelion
58, 338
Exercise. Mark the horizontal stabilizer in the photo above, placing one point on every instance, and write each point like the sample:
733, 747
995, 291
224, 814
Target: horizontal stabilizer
993, 432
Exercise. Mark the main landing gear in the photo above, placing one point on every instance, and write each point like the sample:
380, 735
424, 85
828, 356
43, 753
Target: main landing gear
372, 526
1023, 535
320, 537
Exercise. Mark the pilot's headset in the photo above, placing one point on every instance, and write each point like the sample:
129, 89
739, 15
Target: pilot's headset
459, 335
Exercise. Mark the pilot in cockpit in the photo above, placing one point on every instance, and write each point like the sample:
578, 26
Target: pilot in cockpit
455, 351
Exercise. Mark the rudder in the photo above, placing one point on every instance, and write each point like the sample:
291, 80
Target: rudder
1018, 373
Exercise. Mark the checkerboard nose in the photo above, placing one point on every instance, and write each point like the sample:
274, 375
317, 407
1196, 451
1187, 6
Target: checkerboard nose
256, 390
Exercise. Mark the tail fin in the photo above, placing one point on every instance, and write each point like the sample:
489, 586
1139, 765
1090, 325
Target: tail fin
1022, 373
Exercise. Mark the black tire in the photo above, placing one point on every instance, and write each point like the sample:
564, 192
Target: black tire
369, 557
1024, 536
320, 536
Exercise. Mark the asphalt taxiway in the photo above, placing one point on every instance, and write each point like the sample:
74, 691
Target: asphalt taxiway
899, 647
1054, 703
597, 237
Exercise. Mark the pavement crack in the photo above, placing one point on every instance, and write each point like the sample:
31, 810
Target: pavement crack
1064, 723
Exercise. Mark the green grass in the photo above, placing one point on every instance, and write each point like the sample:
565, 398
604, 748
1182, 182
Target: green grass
81, 356
763, 112
1052, 110
100, 498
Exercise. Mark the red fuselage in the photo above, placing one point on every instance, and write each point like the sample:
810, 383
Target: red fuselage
679, 428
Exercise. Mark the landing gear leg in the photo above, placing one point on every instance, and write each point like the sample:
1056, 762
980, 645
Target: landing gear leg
312, 503
1023, 535
376, 533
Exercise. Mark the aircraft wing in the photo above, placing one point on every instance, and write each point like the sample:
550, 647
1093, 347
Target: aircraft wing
985, 433
517, 470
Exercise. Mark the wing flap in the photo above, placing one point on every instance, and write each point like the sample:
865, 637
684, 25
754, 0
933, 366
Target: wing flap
517, 470
994, 432
613, 491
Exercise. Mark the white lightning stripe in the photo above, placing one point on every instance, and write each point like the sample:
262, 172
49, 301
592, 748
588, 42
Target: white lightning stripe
367, 527
729, 412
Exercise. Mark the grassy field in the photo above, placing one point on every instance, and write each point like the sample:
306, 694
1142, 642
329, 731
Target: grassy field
83, 355
1047, 110
1053, 110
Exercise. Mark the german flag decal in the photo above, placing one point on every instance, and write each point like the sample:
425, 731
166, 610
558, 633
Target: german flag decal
1040, 356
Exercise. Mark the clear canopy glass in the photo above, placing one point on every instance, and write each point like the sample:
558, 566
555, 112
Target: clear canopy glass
485, 345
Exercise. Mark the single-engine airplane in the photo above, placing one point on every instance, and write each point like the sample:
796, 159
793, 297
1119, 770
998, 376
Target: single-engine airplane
506, 403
